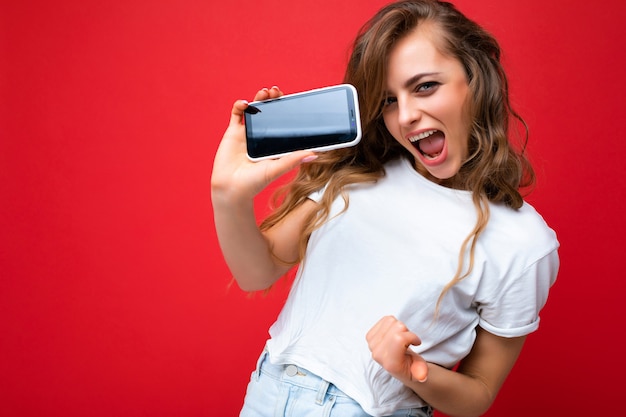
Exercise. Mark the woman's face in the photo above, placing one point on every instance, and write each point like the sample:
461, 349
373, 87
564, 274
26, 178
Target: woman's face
425, 107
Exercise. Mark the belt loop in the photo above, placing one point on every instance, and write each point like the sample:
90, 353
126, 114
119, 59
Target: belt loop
257, 371
321, 392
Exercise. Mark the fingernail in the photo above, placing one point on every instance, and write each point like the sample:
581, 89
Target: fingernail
309, 158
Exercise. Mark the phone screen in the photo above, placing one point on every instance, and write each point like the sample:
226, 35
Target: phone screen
321, 119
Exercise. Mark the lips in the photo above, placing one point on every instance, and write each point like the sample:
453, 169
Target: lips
429, 143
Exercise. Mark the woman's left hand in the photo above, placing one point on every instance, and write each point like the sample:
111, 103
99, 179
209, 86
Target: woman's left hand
389, 340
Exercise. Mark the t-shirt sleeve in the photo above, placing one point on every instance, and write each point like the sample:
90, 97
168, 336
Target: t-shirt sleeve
514, 304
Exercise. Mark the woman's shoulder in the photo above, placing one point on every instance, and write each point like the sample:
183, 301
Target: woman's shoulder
523, 228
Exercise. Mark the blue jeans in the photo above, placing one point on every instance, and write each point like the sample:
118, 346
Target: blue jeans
290, 391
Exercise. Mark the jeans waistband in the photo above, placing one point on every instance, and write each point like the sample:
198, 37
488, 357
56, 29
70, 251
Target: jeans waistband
296, 375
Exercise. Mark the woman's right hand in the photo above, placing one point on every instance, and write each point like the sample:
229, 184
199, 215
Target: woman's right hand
234, 176
235, 181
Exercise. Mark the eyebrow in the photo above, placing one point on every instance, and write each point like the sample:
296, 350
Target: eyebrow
414, 79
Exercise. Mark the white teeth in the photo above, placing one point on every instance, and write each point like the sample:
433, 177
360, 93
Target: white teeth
422, 135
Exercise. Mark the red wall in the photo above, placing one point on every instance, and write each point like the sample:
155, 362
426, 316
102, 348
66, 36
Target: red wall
114, 299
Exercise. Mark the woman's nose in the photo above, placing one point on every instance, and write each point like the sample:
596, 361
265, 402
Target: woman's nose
408, 112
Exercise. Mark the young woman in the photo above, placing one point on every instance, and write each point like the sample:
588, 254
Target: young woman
421, 268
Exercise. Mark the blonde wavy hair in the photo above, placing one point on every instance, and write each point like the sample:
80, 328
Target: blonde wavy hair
495, 171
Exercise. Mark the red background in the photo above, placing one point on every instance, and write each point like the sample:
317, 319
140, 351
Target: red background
114, 298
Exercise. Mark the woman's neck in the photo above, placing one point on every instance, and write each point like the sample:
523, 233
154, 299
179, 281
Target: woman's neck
452, 182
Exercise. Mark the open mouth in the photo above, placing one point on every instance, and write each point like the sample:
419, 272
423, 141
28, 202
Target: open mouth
429, 143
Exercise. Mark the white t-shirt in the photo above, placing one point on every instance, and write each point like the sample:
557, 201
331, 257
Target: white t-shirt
391, 253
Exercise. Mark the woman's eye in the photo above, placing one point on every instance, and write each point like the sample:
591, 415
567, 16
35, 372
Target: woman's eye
389, 100
427, 87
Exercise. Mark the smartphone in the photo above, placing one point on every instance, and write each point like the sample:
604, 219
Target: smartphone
321, 119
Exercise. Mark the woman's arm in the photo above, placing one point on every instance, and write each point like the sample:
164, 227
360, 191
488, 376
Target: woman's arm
235, 181
468, 391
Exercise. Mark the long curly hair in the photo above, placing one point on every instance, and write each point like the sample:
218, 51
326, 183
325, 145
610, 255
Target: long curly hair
497, 167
